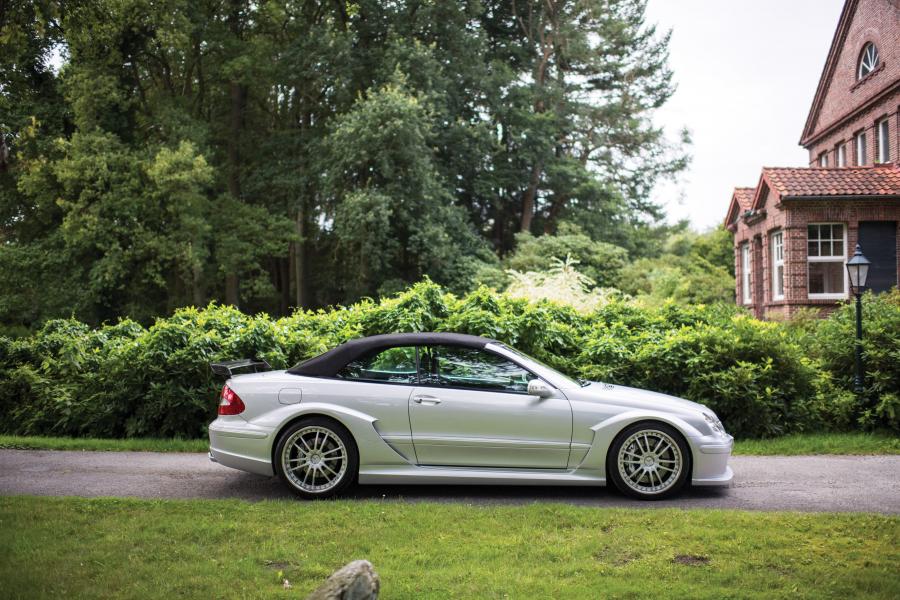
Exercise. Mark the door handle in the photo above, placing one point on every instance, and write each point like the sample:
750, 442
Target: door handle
427, 400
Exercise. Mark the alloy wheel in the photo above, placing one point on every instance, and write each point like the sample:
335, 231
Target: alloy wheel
314, 459
650, 462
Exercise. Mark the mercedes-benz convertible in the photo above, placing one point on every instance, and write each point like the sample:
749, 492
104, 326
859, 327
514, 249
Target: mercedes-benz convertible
445, 408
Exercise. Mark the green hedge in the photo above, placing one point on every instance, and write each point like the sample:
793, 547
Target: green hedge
762, 378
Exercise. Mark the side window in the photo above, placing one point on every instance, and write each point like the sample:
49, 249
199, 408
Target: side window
391, 365
453, 366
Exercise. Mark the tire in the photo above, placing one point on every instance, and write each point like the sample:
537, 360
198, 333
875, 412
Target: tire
316, 457
649, 461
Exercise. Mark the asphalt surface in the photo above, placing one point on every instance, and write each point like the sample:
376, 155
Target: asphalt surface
803, 483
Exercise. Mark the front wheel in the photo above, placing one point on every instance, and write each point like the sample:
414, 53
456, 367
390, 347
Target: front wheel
316, 457
649, 461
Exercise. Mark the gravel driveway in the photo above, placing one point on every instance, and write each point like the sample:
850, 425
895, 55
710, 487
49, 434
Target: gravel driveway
805, 483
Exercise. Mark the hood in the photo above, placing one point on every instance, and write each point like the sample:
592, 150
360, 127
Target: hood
633, 397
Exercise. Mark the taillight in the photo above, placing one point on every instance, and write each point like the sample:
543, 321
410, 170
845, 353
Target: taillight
230, 403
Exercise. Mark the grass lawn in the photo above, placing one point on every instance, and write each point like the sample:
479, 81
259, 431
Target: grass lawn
821, 443
115, 548
22, 442
808, 443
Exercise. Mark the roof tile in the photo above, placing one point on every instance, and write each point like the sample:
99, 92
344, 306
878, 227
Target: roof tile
877, 180
744, 197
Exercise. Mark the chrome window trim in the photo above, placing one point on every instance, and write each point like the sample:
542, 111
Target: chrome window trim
475, 389
490, 348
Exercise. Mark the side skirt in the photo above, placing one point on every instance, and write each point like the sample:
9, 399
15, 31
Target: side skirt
412, 474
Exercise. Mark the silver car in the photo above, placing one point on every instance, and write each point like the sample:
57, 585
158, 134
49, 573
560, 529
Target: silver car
445, 408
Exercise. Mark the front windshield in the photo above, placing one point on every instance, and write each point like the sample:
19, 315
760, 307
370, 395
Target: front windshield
525, 358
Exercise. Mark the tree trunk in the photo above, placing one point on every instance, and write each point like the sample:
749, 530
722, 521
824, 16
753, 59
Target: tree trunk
556, 206
238, 95
4, 152
197, 288
238, 100
528, 197
541, 30
299, 261
283, 267
196, 280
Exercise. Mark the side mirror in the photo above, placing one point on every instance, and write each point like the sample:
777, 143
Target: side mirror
538, 388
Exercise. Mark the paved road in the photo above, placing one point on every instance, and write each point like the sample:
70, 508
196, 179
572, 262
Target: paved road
805, 483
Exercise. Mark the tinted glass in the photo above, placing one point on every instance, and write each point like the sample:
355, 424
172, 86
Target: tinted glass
525, 358
458, 367
392, 365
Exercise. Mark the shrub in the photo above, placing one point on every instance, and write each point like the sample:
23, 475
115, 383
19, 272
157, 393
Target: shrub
761, 378
601, 262
832, 342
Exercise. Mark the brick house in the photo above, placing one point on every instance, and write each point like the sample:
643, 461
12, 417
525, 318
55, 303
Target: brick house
795, 230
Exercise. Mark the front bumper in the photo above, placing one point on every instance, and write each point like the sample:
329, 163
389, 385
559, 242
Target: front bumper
237, 444
711, 454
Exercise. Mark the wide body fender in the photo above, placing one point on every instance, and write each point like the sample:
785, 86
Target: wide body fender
373, 449
606, 431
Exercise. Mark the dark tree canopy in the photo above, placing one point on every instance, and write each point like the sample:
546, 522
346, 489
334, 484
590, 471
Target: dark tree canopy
284, 153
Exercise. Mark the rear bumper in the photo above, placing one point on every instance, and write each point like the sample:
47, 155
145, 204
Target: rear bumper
240, 445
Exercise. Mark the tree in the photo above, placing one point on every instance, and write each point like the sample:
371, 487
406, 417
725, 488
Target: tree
575, 124
599, 261
393, 218
289, 153
696, 268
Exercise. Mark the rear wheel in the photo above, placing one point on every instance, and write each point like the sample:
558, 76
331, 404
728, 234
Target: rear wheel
316, 457
649, 461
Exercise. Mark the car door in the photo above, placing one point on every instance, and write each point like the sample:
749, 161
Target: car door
472, 408
379, 384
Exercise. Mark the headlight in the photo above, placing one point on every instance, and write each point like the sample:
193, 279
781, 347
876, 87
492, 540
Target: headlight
714, 423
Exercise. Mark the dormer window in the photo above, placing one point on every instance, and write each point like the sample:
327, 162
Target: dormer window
868, 60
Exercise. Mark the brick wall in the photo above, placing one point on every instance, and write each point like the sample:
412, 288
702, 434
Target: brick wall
847, 105
876, 21
792, 217
864, 121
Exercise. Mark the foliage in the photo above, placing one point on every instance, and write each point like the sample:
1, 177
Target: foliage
761, 378
598, 261
687, 267
562, 283
694, 268
394, 220
284, 153
832, 342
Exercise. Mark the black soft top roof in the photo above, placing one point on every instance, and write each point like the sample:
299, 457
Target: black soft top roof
329, 363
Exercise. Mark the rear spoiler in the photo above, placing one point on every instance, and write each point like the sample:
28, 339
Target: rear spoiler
242, 366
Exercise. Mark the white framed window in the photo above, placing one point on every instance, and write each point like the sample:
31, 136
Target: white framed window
861, 148
823, 159
883, 141
841, 153
778, 265
826, 251
745, 273
868, 60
